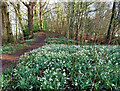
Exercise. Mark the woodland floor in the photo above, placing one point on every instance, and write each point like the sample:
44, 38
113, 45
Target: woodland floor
9, 60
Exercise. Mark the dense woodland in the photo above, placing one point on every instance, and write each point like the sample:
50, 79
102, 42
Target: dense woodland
86, 21
56, 45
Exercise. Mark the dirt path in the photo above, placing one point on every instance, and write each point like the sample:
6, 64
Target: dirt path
9, 59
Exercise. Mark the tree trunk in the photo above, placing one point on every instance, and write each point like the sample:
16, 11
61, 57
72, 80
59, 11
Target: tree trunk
111, 20
30, 20
17, 11
0, 38
6, 29
71, 19
82, 39
20, 20
79, 22
16, 26
41, 24
0, 23
68, 21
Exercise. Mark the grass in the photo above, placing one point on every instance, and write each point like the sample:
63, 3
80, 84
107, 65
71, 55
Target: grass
63, 40
10, 48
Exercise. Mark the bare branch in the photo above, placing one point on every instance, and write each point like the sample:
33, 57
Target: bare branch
50, 10
25, 3
43, 5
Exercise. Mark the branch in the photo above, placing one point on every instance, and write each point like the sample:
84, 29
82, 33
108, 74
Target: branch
34, 3
50, 10
46, 6
92, 11
43, 5
25, 3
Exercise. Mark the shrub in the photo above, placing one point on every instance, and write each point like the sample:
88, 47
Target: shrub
62, 40
9, 48
65, 67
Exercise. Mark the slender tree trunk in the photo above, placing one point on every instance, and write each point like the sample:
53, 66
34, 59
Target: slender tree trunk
41, 24
35, 11
68, 21
84, 24
79, 13
111, 20
0, 38
16, 26
20, 20
71, 19
0, 23
17, 11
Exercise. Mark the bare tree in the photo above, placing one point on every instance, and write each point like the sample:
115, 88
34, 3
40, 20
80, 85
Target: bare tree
30, 17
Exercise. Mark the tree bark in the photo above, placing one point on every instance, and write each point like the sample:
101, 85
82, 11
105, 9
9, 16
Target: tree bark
6, 29
0, 23
82, 39
16, 26
41, 24
0, 38
17, 11
71, 19
111, 20
79, 13
30, 17
30, 20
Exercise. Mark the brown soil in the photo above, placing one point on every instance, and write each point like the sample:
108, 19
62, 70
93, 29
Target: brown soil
9, 60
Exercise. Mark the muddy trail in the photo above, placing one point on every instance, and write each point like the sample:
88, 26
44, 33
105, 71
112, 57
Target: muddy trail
9, 60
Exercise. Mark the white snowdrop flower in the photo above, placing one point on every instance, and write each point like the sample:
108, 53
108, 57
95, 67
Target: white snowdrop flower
113, 84
54, 73
51, 87
107, 66
44, 78
13, 87
31, 87
41, 79
59, 84
45, 82
76, 84
65, 82
87, 82
37, 65
38, 78
50, 79
116, 64
79, 71
57, 69
68, 78
113, 57
57, 79
1, 85
52, 68
63, 69
15, 70
64, 74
